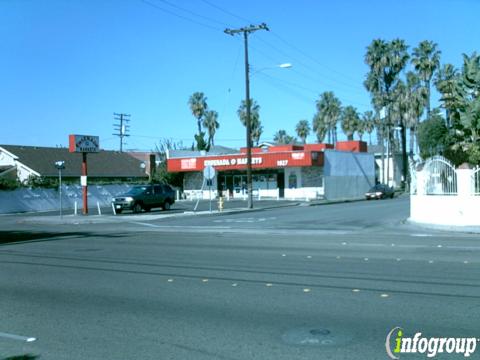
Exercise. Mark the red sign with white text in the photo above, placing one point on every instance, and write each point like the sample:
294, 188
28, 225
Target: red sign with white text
239, 161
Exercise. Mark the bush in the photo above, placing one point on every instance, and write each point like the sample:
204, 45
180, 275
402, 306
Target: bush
9, 184
41, 182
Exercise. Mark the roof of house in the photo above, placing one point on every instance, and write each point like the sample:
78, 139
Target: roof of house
111, 164
214, 150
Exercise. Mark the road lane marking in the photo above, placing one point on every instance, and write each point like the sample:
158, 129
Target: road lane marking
356, 290
17, 337
204, 280
384, 295
234, 284
170, 280
306, 290
268, 285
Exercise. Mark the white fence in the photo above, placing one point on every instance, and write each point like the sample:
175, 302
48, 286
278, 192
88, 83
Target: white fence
444, 195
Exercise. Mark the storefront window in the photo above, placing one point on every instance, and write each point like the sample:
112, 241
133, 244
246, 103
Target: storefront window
292, 181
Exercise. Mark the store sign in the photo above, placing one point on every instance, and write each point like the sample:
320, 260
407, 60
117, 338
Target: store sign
84, 143
233, 161
298, 156
188, 164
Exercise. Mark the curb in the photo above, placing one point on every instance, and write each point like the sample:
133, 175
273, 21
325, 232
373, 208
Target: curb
452, 228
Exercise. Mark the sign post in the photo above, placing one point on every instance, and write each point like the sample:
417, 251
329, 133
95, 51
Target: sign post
84, 144
60, 165
209, 174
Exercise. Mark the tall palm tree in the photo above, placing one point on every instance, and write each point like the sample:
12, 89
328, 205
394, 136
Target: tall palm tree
255, 124
386, 61
350, 121
303, 130
319, 127
281, 137
256, 134
426, 60
361, 126
329, 108
369, 124
198, 106
210, 122
445, 81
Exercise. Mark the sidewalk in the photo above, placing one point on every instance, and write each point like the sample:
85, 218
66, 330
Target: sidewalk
179, 209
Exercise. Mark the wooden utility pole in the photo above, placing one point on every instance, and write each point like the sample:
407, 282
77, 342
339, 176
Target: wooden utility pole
246, 31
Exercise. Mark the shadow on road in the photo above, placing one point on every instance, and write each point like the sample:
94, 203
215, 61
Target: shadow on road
22, 357
12, 236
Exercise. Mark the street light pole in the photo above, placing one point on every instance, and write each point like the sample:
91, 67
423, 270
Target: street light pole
246, 31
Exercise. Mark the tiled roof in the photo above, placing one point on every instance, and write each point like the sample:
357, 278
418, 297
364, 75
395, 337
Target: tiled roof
110, 164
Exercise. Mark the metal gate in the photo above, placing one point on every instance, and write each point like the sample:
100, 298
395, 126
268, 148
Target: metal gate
440, 177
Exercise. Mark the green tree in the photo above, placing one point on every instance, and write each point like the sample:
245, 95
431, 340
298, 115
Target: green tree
198, 106
281, 137
350, 121
426, 60
369, 124
329, 109
386, 60
161, 173
210, 122
303, 130
319, 127
446, 82
255, 124
432, 135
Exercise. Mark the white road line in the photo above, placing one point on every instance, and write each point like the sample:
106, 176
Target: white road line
17, 337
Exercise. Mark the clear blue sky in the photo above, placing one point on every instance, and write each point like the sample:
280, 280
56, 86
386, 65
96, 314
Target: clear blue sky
66, 66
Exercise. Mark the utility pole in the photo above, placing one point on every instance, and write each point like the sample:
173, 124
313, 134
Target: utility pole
246, 31
122, 127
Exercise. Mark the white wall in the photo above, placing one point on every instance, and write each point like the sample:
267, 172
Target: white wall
450, 210
460, 209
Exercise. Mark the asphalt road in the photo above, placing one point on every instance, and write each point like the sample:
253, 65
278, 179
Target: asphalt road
306, 282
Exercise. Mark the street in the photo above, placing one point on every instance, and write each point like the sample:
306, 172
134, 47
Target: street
301, 282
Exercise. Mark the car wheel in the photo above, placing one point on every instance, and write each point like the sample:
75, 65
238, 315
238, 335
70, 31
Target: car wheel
147, 208
137, 208
391, 196
118, 211
166, 205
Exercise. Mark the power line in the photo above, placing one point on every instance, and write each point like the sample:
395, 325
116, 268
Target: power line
180, 16
193, 13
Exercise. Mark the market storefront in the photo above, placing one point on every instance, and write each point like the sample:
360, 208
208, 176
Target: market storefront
283, 171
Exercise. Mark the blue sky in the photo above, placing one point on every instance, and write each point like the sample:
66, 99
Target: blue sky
67, 66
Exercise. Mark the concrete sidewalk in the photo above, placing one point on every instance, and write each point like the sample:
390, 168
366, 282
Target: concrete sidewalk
180, 209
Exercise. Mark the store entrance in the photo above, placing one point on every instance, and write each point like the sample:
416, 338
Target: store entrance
234, 183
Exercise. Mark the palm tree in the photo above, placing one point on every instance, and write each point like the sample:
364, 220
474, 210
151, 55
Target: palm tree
386, 61
255, 124
361, 128
350, 121
303, 130
426, 60
210, 122
319, 127
281, 137
329, 108
369, 124
198, 106
445, 81
256, 134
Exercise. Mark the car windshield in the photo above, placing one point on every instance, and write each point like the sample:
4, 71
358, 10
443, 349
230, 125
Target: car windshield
376, 188
136, 190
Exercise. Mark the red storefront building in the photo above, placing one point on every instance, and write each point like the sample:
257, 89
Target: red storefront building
290, 171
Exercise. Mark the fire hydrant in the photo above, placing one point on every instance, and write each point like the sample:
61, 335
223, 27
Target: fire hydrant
220, 204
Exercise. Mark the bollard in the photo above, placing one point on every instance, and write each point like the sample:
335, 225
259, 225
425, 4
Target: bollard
113, 209
98, 207
220, 204
75, 208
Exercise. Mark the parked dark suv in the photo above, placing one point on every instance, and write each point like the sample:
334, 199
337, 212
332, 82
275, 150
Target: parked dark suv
145, 197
